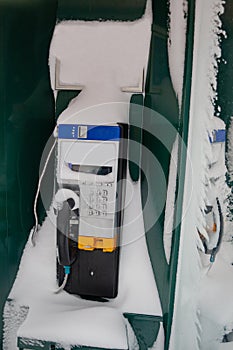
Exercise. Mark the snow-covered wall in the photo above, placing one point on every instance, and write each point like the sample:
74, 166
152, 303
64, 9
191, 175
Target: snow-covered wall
186, 330
176, 44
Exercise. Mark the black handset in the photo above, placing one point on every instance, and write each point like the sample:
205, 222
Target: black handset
67, 232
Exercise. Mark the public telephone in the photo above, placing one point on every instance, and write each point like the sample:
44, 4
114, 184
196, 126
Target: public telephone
91, 168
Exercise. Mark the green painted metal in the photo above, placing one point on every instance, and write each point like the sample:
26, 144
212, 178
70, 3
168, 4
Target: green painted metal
27, 110
27, 101
135, 135
182, 154
159, 91
145, 327
225, 73
127, 10
63, 99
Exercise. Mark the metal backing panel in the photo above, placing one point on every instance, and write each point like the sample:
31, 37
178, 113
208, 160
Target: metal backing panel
128, 10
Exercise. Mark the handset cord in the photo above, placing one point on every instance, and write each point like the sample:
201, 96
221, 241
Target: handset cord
66, 275
35, 228
62, 286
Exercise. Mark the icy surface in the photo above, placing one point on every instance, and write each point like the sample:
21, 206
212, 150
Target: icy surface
103, 57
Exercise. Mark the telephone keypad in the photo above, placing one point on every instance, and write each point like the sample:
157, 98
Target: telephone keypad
97, 200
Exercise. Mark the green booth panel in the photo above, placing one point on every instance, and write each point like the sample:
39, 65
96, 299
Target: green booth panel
27, 119
145, 327
127, 10
160, 127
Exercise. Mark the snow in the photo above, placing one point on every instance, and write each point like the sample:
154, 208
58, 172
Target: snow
203, 305
14, 316
230, 149
225, 346
170, 201
36, 290
215, 299
176, 43
103, 57
94, 326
